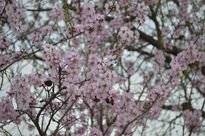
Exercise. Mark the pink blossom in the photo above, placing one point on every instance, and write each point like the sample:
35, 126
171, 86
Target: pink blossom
45, 30
192, 120
88, 9
7, 111
57, 14
125, 34
124, 3
4, 43
111, 7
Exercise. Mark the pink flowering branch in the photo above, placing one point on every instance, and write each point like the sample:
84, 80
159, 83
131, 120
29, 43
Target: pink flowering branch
100, 66
19, 59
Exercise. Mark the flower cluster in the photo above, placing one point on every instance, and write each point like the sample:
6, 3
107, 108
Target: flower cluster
183, 9
57, 14
157, 97
126, 35
192, 120
160, 60
4, 43
111, 7
14, 15
20, 91
190, 55
7, 111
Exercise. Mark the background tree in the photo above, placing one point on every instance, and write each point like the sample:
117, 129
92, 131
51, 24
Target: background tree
98, 67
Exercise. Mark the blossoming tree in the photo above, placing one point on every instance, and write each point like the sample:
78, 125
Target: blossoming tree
101, 68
